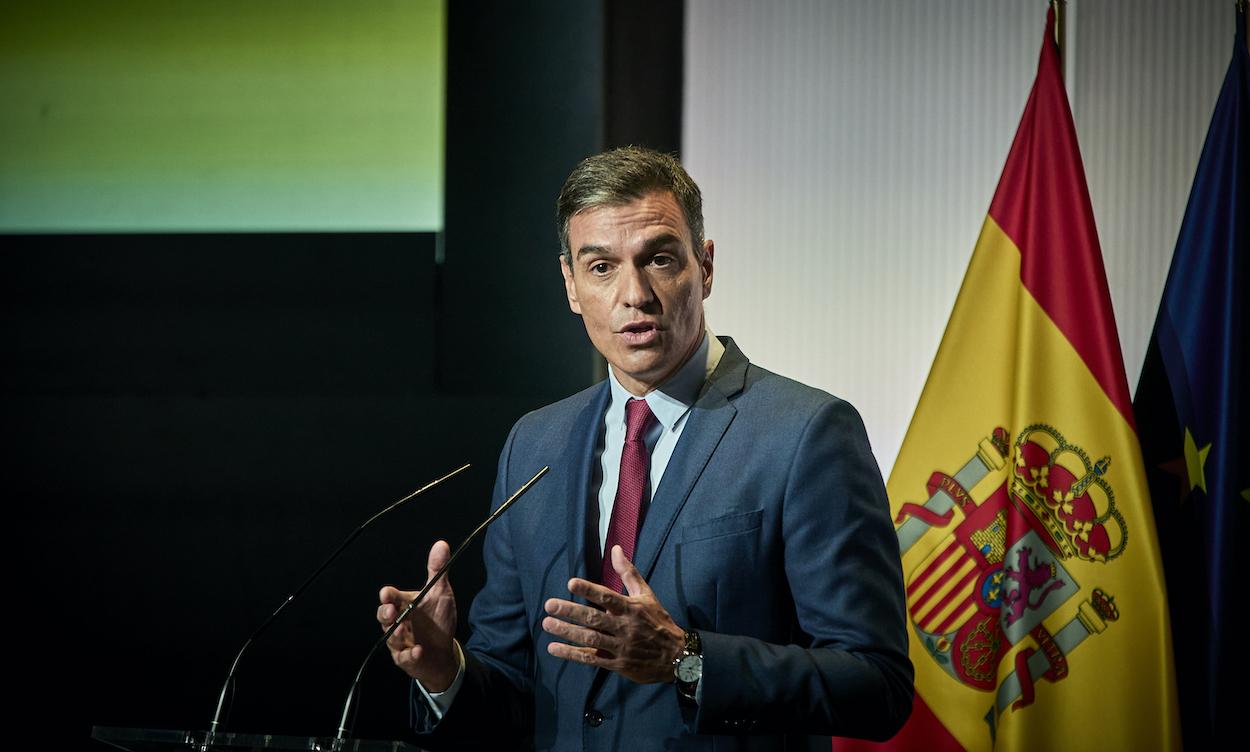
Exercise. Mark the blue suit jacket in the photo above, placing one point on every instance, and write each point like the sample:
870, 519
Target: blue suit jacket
769, 533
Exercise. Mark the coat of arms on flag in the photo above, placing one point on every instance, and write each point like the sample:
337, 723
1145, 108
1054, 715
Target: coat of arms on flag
999, 571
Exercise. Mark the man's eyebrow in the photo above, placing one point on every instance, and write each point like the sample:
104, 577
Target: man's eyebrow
586, 250
662, 241
659, 241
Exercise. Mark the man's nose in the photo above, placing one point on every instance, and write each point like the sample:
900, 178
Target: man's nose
636, 289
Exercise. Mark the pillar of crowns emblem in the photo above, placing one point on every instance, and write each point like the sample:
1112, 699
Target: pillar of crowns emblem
1067, 495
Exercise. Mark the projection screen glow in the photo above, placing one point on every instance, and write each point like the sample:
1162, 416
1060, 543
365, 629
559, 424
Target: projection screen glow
177, 115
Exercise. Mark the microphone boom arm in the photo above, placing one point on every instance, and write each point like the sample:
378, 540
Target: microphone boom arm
351, 695
225, 688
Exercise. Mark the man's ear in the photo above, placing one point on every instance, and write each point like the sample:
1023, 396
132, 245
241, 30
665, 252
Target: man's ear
570, 287
709, 250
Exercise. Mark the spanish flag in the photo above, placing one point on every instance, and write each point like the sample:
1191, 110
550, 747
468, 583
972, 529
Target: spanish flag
1038, 613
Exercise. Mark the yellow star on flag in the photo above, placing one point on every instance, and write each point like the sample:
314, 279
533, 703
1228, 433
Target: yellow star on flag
1195, 460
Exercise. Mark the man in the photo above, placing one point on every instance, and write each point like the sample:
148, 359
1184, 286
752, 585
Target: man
751, 595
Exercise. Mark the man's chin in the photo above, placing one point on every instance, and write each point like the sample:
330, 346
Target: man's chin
639, 366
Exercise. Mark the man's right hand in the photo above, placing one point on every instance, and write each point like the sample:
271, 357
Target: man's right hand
423, 645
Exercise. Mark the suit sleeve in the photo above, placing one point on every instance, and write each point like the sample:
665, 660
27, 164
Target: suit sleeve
847, 673
494, 707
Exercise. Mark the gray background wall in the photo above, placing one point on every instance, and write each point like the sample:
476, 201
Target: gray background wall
848, 152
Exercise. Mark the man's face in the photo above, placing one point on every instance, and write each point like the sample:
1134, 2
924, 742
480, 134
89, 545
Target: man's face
638, 286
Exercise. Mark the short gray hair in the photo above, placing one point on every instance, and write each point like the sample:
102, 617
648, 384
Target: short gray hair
619, 176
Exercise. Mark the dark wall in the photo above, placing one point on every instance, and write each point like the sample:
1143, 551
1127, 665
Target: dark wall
194, 421
524, 104
533, 89
643, 47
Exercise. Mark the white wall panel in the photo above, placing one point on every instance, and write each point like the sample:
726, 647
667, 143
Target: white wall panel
848, 152
1148, 76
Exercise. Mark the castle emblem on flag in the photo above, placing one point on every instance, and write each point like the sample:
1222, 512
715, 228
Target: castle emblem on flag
999, 572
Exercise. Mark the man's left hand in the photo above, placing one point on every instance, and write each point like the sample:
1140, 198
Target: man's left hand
632, 635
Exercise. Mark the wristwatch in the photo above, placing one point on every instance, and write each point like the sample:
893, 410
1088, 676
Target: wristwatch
688, 665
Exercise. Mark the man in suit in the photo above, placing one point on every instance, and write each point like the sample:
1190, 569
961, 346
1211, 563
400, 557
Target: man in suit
710, 563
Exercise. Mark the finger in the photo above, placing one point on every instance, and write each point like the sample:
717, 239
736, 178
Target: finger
579, 614
393, 601
440, 554
400, 640
408, 659
629, 574
413, 629
387, 614
610, 600
588, 656
410, 634
580, 635
418, 621
390, 594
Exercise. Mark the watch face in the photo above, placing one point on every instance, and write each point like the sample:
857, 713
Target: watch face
690, 668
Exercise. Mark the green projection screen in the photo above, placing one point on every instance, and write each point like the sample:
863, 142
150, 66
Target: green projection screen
189, 116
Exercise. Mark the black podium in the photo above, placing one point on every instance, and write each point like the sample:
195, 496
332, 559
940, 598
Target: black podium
163, 740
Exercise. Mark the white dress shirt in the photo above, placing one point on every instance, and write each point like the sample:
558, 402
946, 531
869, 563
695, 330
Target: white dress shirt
670, 403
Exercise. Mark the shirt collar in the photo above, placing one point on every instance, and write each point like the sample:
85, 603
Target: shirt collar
674, 398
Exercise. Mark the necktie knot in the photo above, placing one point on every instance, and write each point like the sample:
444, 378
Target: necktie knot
638, 418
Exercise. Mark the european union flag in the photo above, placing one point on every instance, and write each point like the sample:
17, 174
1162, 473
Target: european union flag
1192, 418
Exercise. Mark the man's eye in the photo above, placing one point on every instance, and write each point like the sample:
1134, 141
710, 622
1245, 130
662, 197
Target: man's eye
600, 268
662, 260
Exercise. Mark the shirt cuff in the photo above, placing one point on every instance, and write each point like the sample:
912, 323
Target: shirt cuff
440, 702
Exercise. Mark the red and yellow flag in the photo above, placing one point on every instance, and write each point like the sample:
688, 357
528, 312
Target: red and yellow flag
1035, 594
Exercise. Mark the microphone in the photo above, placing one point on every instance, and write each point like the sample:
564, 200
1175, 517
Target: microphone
225, 688
351, 694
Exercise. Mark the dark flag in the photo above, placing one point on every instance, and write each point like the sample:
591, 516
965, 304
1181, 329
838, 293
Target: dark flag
1192, 419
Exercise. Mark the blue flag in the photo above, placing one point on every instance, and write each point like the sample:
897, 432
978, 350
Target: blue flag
1192, 420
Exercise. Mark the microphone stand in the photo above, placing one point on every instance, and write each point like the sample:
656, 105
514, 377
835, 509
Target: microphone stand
351, 695
225, 688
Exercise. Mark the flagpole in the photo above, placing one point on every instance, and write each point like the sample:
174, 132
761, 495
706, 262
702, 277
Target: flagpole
1245, 20
1066, 53
1060, 8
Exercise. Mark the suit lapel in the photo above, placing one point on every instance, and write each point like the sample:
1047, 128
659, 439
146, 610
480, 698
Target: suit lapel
579, 457
575, 680
709, 419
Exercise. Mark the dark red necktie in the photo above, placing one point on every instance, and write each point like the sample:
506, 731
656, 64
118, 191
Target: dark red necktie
631, 490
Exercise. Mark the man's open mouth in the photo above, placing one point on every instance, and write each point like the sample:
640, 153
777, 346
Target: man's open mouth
638, 327
639, 332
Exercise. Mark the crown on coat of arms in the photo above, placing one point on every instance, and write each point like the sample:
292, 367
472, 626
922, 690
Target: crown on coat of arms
1097, 613
1105, 605
1068, 495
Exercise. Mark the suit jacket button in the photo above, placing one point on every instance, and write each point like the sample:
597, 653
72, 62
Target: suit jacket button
594, 718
